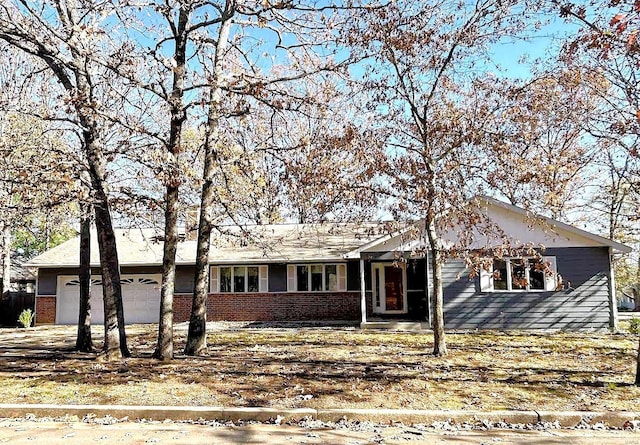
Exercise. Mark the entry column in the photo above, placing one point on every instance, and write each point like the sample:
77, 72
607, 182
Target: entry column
363, 294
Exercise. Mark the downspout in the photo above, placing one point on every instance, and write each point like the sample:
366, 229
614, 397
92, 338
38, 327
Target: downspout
613, 304
363, 295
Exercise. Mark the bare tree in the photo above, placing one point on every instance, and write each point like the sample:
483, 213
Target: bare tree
537, 156
65, 35
158, 77
608, 45
237, 81
419, 61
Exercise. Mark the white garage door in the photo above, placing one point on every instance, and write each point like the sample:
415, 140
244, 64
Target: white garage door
140, 295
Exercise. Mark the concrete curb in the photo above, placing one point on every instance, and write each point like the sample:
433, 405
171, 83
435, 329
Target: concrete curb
427, 417
567, 419
156, 412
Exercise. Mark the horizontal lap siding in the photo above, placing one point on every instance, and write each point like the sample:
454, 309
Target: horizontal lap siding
585, 306
274, 306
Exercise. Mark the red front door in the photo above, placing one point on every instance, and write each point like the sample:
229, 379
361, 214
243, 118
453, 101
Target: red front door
394, 295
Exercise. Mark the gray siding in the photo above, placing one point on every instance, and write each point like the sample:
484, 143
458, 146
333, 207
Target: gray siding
584, 306
48, 281
48, 278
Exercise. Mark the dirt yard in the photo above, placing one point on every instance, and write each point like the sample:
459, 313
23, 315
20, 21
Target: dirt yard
327, 367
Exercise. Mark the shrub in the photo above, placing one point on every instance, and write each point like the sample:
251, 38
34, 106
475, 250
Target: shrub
25, 319
634, 325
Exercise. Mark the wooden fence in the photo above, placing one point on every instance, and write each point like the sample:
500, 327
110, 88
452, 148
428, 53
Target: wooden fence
12, 304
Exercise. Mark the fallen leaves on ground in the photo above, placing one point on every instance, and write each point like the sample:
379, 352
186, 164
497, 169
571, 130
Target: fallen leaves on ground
319, 367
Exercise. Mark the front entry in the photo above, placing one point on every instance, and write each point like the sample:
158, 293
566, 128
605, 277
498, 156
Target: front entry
389, 289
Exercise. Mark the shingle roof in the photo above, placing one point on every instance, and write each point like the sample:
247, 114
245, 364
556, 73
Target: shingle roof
260, 243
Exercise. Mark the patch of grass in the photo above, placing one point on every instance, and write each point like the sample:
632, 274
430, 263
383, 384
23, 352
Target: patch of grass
328, 368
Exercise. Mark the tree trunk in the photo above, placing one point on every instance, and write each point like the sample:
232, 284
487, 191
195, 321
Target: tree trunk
75, 77
637, 382
636, 294
115, 339
83, 340
164, 348
197, 336
435, 248
636, 289
437, 303
5, 257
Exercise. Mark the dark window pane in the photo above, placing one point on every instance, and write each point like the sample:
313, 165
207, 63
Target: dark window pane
303, 278
331, 277
225, 279
316, 278
252, 279
499, 275
536, 275
518, 274
238, 279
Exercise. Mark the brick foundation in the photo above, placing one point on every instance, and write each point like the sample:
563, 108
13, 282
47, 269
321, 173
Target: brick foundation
45, 310
273, 306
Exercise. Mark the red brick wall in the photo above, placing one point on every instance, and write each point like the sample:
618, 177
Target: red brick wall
250, 307
45, 310
273, 306
182, 307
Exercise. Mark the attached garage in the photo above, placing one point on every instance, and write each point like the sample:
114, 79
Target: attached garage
140, 295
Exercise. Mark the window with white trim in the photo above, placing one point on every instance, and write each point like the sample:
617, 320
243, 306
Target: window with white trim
519, 274
316, 277
239, 279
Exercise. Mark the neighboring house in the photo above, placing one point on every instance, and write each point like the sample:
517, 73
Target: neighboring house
337, 271
23, 279
21, 293
625, 302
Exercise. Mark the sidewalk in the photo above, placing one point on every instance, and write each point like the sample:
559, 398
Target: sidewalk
23, 432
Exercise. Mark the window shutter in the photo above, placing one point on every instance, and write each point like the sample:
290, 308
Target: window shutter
263, 274
291, 278
342, 277
550, 279
486, 278
214, 280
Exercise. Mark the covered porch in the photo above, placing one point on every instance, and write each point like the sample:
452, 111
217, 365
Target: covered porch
393, 292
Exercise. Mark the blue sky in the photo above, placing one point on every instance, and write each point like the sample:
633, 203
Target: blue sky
518, 57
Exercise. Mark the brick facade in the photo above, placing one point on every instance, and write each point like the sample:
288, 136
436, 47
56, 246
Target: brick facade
273, 306
45, 310
250, 307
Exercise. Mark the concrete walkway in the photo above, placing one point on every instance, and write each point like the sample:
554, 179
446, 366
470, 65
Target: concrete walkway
23, 432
